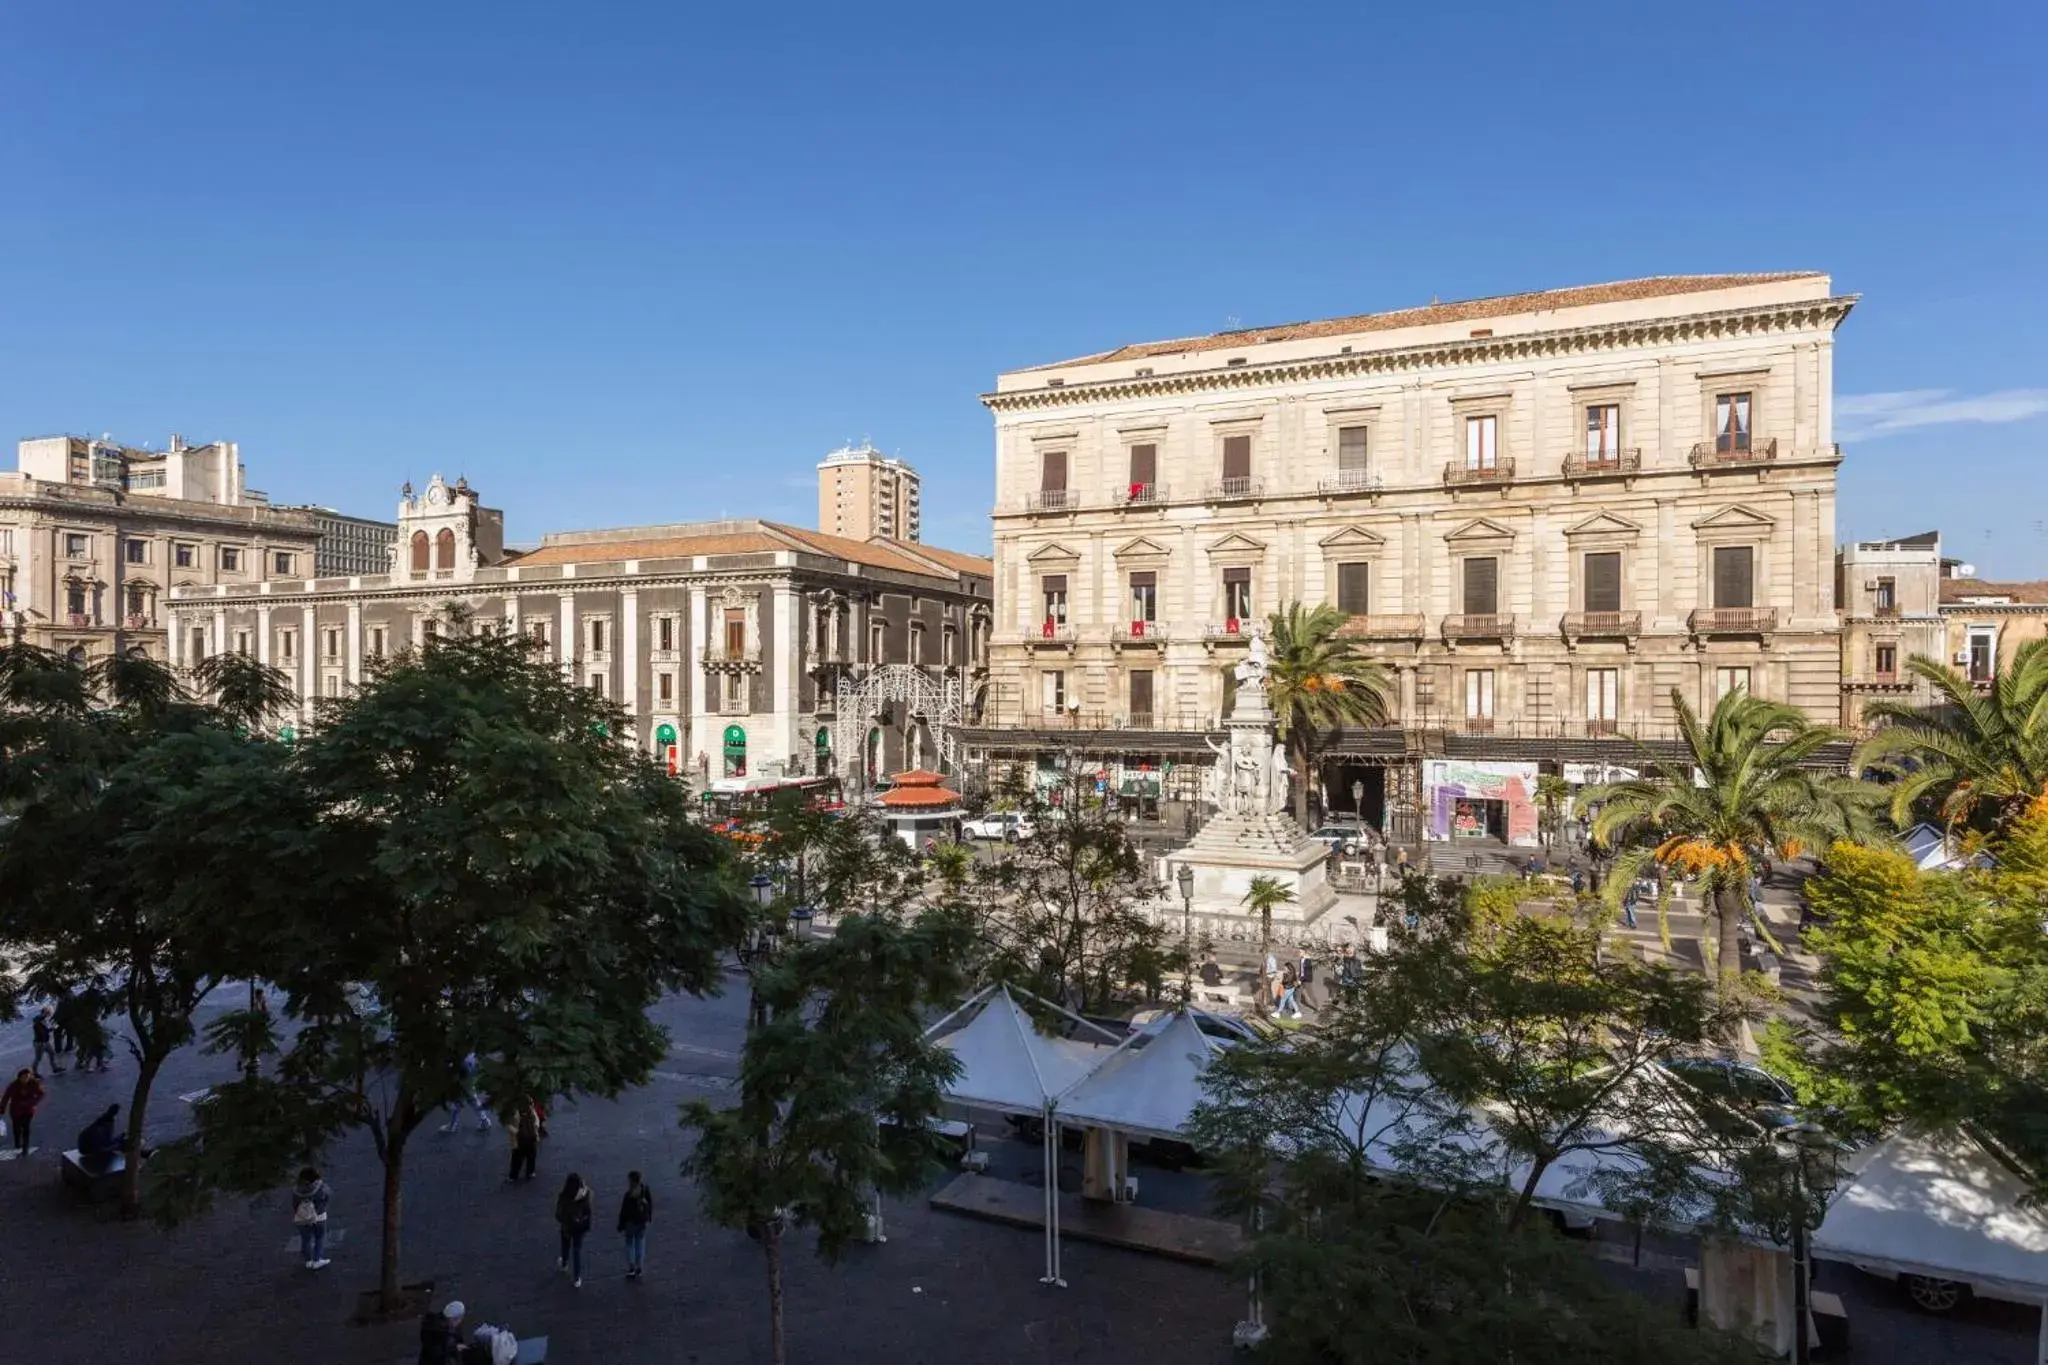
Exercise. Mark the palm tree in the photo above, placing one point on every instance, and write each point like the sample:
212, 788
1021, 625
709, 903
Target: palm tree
1553, 795
1265, 893
245, 692
1316, 681
1741, 795
1979, 756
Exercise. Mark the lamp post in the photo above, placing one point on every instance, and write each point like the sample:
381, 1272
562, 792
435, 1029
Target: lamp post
1358, 801
1186, 879
1811, 1157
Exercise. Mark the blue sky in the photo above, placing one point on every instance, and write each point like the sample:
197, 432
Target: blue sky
624, 262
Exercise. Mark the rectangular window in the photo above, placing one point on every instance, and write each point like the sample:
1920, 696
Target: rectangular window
1603, 693
1734, 576
430, 629
1482, 587
1983, 655
1351, 455
230, 559
1603, 433
597, 683
137, 551
197, 651
75, 546
1887, 594
1479, 694
183, 556
1603, 581
916, 643
665, 632
1731, 423
665, 687
74, 601
1352, 582
949, 644
378, 640
1052, 472
283, 561
1237, 594
597, 634
1237, 462
1145, 595
242, 643
735, 692
878, 643
1144, 468
287, 643
1482, 442
333, 641
1727, 680
1141, 692
1053, 588
1887, 660
1052, 691
735, 632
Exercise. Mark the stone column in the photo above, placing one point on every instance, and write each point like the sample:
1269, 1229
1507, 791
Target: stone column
782, 699
355, 644
309, 665
263, 633
629, 657
1664, 559
695, 683
570, 644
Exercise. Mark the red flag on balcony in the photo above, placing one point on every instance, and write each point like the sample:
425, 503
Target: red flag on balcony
1137, 628
1231, 625
1048, 628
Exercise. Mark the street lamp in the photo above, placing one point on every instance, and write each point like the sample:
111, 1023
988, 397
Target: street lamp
1358, 800
1810, 1154
1186, 879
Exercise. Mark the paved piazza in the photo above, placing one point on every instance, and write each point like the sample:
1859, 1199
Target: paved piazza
81, 1288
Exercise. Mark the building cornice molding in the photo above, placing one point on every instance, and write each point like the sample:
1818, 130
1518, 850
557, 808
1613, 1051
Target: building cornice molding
1782, 317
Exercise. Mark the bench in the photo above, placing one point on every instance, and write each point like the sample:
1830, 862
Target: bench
97, 1177
1830, 1318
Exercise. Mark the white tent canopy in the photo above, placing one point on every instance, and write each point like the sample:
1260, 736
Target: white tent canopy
1938, 1204
1007, 1065
1147, 1086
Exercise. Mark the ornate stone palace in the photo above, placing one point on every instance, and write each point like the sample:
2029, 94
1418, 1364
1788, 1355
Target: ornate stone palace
1544, 513
735, 646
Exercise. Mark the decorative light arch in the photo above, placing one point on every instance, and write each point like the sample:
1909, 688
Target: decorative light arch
935, 701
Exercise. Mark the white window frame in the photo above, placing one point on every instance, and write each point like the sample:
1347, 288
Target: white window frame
1479, 694
1603, 694
1482, 440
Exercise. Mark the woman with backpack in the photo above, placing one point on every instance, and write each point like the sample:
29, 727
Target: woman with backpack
572, 1218
636, 1211
309, 1216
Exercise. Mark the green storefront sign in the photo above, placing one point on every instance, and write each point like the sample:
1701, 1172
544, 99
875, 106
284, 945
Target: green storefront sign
735, 751
664, 733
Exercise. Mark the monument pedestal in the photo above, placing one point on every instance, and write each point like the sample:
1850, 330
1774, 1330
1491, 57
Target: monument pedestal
1232, 849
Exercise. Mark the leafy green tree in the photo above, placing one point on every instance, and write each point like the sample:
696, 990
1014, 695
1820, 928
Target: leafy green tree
1746, 791
1978, 758
1263, 896
1070, 912
1934, 994
1316, 681
1553, 800
837, 1089
121, 860
495, 874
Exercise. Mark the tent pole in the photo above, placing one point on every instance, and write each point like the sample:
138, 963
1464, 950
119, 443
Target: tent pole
2041, 1344
1053, 1185
1045, 1167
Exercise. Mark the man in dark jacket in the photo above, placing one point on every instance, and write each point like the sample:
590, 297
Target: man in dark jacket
441, 1337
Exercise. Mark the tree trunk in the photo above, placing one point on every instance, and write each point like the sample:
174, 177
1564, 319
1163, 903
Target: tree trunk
1527, 1199
1299, 743
131, 1149
1265, 954
771, 1247
394, 1186
1728, 945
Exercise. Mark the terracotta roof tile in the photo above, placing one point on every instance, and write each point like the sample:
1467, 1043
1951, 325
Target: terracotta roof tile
957, 560
874, 554
672, 547
1501, 305
2032, 593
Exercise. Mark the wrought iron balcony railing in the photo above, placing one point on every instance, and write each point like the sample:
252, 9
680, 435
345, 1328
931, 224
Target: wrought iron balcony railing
1733, 620
1722, 453
1456, 475
1608, 464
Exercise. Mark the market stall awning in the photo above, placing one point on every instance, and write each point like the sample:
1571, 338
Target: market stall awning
1148, 1086
1006, 1064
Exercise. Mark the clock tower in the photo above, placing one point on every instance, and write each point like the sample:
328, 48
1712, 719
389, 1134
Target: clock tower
444, 534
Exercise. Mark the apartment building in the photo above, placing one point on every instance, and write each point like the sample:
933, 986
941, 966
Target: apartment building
1889, 593
1985, 623
95, 535
350, 545
1544, 513
735, 646
864, 494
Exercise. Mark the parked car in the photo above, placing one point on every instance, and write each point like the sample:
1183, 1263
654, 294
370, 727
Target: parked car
1341, 838
1007, 825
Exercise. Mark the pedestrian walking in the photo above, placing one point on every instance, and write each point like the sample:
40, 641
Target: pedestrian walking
309, 1216
1305, 974
467, 1069
636, 1211
572, 1219
1628, 908
524, 1128
61, 1014
1288, 1002
23, 1095
45, 1031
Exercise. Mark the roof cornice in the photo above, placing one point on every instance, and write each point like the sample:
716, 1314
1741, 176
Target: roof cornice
1777, 317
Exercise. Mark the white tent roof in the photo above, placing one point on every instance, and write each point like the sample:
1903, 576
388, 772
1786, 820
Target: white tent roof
1148, 1086
1938, 1203
1007, 1064
1932, 850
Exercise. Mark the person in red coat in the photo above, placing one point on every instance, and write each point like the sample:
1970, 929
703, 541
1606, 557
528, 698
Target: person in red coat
20, 1100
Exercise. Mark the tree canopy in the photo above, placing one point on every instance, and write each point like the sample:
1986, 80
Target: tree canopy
1316, 681
1976, 757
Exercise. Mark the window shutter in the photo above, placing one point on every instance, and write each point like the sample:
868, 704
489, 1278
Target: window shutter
1144, 465
1734, 582
1053, 472
1482, 587
1351, 450
1144, 578
1352, 583
1055, 582
1237, 575
1141, 692
1237, 457
1603, 582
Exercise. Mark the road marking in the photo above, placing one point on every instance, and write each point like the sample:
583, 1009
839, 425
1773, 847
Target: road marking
698, 1079
701, 1051
194, 1096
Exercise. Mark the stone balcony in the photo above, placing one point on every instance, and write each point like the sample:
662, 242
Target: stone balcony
1053, 500
1733, 620
1600, 625
1613, 464
1498, 626
1733, 454
1235, 490
1384, 626
1493, 475
1143, 495
1051, 635
1350, 481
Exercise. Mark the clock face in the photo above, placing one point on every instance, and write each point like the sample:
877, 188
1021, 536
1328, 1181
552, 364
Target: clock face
436, 495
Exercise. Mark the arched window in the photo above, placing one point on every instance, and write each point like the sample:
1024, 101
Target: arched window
419, 551
444, 549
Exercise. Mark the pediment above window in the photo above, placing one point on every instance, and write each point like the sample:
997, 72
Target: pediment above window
1352, 538
1142, 548
1054, 553
1736, 518
1479, 529
1605, 525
